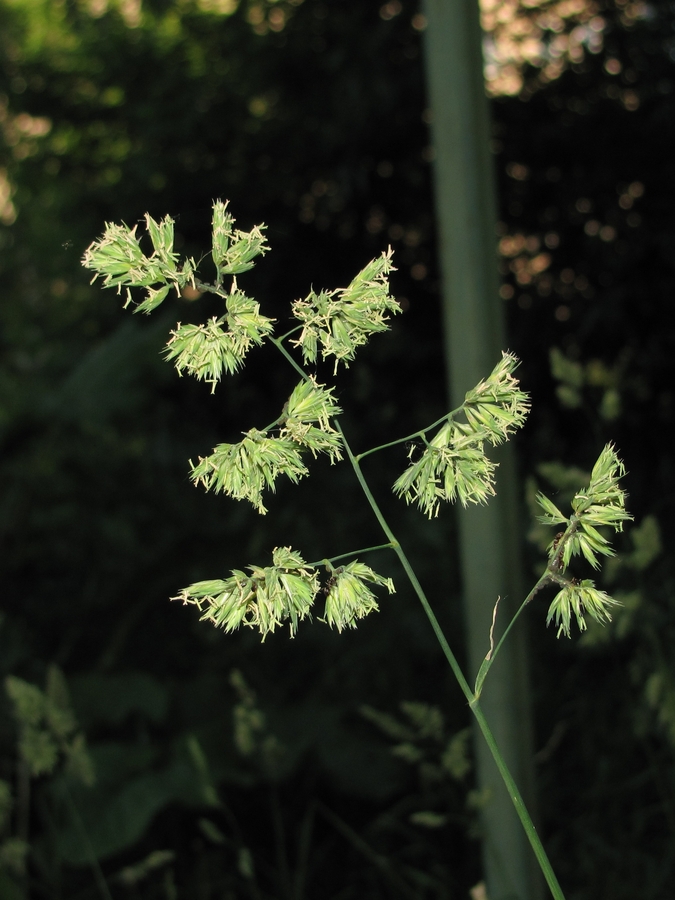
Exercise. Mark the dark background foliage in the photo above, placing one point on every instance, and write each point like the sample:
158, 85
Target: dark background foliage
311, 117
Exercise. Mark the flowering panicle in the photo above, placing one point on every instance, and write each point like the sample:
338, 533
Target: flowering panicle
344, 319
284, 592
348, 596
205, 351
497, 404
265, 599
579, 598
245, 469
232, 250
307, 417
118, 259
602, 503
454, 464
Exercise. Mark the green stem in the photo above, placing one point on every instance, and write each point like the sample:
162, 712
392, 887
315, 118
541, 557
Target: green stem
210, 289
493, 651
514, 793
280, 347
417, 587
332, 559
288, 334
550, 575
410, 437
519, 804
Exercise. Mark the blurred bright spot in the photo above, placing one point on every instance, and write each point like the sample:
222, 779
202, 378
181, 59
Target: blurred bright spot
548, 35
7, 208
517, 171
391, 9
220, 7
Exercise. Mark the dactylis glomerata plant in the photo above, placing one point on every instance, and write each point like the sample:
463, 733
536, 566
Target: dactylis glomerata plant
453, 464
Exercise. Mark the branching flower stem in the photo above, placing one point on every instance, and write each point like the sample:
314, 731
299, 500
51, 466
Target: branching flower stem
207, 288
549, 576
278, 343
411, 437
289, 333
471, 697
332, 559
452, 466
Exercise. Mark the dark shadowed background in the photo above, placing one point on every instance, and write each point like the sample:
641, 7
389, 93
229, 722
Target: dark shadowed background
227, 769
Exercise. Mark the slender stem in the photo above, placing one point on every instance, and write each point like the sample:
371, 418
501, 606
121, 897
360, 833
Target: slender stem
519, 804
284, 351
276, 422
332, 559
551, 574
514, 793
472, 698
417, 587
492, 654
410, 437
288, 333
210, 289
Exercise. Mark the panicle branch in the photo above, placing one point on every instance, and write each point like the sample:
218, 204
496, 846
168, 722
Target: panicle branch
285, 592
601, 504
232, 250
205, 351
118, 259
245, 469
307, 417
348, 597
343, 319
454, 464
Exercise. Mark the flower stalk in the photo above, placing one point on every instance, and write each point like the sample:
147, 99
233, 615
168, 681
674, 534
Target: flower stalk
447, 460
